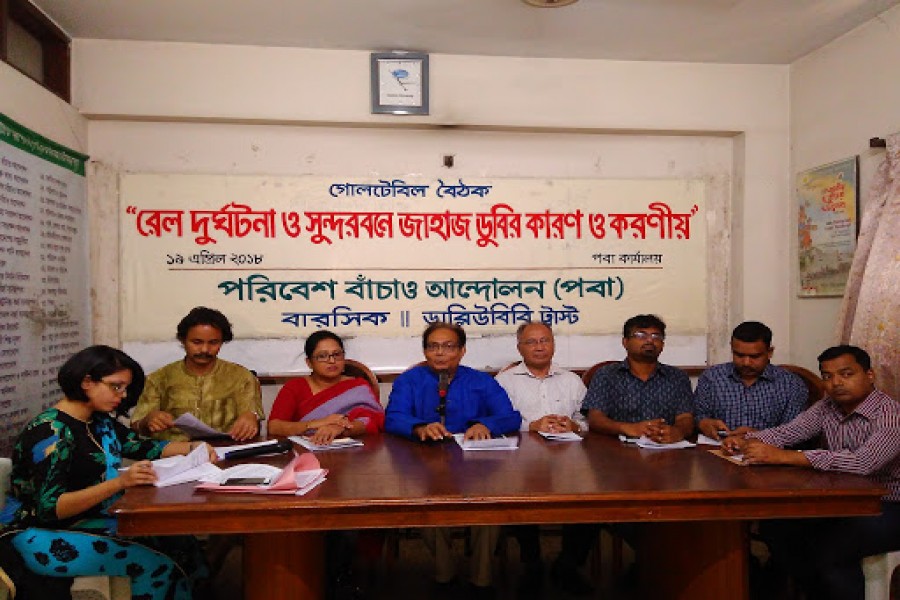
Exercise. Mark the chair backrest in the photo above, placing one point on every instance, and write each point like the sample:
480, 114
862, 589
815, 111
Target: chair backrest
814, 384
354, 368
515, 363
590, 371
5, 472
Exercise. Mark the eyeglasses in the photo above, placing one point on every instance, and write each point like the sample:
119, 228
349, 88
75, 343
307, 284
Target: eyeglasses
334, 356
446, 347
534, 342
117, 388
643, 335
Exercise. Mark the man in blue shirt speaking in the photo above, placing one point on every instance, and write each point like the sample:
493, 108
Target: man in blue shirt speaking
431, 402
442, 397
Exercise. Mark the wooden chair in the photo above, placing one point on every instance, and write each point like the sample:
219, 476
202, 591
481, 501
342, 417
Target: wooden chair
592, 370
515, 363
354, 368
814, 383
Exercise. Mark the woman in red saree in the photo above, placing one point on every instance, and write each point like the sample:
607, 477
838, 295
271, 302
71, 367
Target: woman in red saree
326, 403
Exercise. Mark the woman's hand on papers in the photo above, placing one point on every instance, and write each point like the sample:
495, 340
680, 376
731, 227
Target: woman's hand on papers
140, 473
325, 434
335, 419
213, 455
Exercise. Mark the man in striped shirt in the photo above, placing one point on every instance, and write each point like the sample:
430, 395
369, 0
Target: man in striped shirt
861, 430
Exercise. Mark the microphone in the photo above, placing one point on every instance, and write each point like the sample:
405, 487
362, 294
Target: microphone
443, 384
273, 447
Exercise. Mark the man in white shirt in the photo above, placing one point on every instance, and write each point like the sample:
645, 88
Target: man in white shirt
549, 399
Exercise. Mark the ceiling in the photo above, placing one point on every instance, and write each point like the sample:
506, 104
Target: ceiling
718, 31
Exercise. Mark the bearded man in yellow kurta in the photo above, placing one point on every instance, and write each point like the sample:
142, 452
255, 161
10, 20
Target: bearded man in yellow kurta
224, 395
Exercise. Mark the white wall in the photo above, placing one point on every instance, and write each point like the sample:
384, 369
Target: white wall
230, 109
841, 95
31, 105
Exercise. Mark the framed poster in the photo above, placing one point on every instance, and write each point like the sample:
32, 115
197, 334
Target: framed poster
827, 226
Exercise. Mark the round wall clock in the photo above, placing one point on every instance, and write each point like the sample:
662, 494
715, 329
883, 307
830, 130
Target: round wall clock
399, 83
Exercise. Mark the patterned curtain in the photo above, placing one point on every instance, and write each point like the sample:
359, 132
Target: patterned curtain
870, 312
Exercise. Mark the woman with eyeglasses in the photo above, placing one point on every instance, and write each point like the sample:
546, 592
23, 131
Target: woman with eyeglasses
67, 471
326, 403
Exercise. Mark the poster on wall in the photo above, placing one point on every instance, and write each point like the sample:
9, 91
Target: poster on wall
284, 256
827, 221
44, 281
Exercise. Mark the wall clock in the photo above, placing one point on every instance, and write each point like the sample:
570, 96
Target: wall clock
399, 83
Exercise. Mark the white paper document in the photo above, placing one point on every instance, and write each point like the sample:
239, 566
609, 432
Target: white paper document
336, 443
244, 471
182, 469
737, 459
498, 443
307, 480
647, 443
708, 441
568, 436
194, 428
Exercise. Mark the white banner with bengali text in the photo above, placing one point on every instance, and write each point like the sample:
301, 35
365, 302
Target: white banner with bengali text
284, 256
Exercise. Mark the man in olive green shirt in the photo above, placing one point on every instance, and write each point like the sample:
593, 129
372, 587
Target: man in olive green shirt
222, 394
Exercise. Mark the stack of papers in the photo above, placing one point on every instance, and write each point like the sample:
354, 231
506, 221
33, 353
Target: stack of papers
568, 436
182, 469
301, 475
335, 444
645, 442
498, 443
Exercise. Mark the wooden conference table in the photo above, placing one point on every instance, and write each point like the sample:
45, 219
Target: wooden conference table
697, 505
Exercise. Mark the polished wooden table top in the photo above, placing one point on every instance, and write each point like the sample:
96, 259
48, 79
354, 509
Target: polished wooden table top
394, 482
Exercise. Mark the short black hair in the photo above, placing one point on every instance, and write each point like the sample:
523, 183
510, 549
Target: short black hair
312, 341
643, 322
457, 329
201, 315
95, 363
521, 329
861, 356
753, 331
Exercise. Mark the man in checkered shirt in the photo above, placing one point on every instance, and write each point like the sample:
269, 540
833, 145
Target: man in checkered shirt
748, 393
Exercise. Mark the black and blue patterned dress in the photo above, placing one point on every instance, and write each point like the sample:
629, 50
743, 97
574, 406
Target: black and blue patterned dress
57, 453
